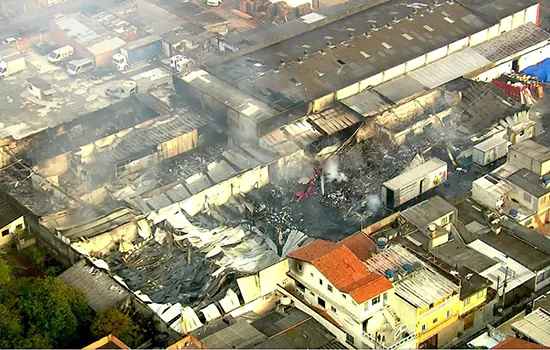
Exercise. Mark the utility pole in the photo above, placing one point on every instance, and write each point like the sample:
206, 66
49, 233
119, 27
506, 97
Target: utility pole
504, 286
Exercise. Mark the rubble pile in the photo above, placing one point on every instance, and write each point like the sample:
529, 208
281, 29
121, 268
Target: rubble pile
191, 163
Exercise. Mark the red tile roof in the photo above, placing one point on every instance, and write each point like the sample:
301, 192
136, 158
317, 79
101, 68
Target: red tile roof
515, 343
361, 245
343, 269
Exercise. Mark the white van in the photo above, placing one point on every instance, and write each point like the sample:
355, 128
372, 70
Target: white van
80, 66
213, 2
61, 54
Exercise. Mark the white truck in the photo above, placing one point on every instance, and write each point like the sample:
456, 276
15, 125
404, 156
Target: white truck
141, 50
11, 62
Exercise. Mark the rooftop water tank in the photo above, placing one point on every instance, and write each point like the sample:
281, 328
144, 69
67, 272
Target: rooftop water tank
381, 244
513, 212
390, 274
408, 267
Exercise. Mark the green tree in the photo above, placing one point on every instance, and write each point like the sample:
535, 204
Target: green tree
119, 324
5, 272
53, 311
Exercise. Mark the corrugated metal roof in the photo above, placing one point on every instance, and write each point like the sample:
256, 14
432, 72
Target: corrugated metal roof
99, 289
449, 68
512, 42
427, 211
536, 326
367, 103
8, 213
400, 88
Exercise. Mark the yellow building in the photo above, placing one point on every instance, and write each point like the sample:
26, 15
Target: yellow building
425, 299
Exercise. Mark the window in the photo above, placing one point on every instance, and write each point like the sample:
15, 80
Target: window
435, 320
299, 267
295, 81
424, 327
480, 294
450, 20
366, 307
300, 287
320, 281
407, 36
344, 296
5, 233
340, 62
444, 221
376, 300
364, 54
333, 309
319, 72
329, 287
386, 45
449, 313
428, 28
467, 301
385, 296
349, 339
19, 227
321, 302
311, 274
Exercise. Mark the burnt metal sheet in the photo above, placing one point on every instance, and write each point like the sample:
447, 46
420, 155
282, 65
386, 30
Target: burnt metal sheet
197, 183
159, 202
449, 68
178, 193
220, 170
401, 88
366, 103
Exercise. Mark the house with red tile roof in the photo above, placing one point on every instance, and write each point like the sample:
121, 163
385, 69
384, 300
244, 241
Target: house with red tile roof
333, 278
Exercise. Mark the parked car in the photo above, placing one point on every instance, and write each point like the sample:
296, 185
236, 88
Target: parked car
44, 48
10, 40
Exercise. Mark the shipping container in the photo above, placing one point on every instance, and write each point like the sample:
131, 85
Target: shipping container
414, 182
490, 150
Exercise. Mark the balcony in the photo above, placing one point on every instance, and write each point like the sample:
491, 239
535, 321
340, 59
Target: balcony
395, 345
391, 334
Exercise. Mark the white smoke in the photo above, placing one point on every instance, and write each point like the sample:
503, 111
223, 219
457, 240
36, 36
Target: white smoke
373, 203
332, 173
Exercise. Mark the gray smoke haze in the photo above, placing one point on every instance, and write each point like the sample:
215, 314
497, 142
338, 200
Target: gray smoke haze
373, 203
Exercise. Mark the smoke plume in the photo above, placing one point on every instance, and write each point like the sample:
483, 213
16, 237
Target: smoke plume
332, 173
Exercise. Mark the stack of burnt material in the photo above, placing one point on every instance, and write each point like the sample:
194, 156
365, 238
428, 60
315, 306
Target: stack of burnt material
277, 12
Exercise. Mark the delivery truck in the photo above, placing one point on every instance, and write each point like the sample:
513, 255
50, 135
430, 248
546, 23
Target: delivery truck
11, 62
145, 49
414, 182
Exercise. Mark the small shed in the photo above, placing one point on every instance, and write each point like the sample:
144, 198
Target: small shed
40, 88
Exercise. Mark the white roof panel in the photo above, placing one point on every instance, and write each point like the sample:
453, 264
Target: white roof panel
414, 174
490, 143
536, 326
449, 68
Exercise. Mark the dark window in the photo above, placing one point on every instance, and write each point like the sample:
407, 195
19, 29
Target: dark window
329, 287
299, 267
376, 300
333, 309
350, 339
340, 62
5, 233
435, 320
320, 281
321, 302
300, 287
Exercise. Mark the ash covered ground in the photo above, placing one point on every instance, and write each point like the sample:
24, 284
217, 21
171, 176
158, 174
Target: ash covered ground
352, 184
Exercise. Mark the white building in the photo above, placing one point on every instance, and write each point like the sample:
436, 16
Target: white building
332, 279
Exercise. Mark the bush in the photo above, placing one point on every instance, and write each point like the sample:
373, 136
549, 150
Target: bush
119, 324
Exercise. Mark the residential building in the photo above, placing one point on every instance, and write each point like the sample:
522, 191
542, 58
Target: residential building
107, 342
534, 327
530, 155
426, 300
332, 279
11, 221
434, 219
531, 192
516, 343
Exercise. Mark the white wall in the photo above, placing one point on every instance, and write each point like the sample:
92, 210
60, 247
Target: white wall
543, 278
458, 45
534, 57
6, 232
394, 72
436, 54
532, 14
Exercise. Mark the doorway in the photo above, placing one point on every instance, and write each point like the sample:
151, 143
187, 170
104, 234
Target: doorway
430, 343
515, 66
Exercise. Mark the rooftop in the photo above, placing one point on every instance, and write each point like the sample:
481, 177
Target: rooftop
344, 61
343, 269
535, 326
421, 287
82, 29
8, 213
529, 182
291, 329
533, 150
427, 211
494, 10
100, 290
458, 254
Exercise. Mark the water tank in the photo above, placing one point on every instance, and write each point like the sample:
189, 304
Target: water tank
513, 212
390, 274
381, 244
408, 267
285, 300
432, 230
